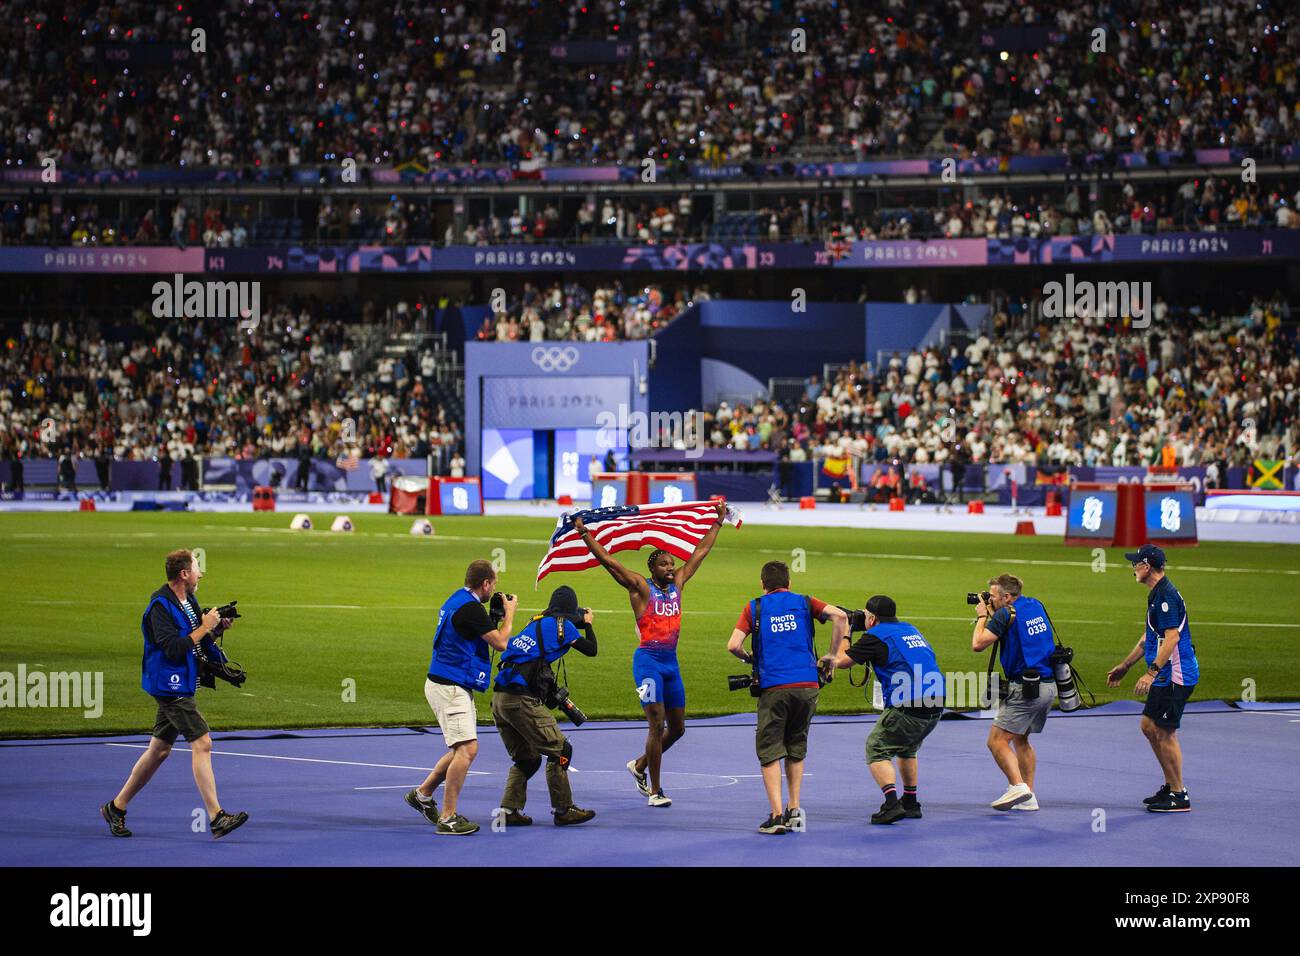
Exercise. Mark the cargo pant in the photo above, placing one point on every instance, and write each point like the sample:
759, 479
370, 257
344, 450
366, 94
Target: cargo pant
529, 732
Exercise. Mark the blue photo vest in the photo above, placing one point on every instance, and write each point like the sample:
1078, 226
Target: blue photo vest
541, 636
911, 677
1029, 642
783, 639
467, 663
159, 676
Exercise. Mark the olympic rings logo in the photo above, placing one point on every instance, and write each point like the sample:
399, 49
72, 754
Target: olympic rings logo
555, 359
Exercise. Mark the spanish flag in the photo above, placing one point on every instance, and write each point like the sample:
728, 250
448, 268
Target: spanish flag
837, 469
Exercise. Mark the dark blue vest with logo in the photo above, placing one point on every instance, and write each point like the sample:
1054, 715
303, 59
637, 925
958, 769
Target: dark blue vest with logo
1029, 642
541, 636
159, 676
783, 639
467, 663
911, 677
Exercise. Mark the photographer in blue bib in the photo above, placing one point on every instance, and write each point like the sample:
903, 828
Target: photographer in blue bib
463, 642
1020, 626
786, 680
913, 689
177, 646
523, 695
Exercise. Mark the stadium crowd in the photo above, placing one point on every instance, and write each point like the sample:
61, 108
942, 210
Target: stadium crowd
1215, 389
571, 312
204, 388
1211, 204
305, 82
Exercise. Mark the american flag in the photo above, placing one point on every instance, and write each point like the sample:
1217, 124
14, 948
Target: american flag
675, 528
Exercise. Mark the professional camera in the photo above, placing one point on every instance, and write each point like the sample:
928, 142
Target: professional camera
213, 662
571, 710
973, 598
228, 612
497, 607
741, 681
857, 619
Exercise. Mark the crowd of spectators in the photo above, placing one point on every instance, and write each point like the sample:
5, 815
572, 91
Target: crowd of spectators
1209, 203
570, 312
306, 82
1216, 388
293, 387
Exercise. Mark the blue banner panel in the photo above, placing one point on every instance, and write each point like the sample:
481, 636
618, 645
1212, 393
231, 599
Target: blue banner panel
460, 498
1171, 515
1092, 515
540, 402
671, 491
579, 452
609, 492
508, 463
324, 475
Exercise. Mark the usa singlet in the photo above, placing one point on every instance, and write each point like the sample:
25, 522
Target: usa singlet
661, 623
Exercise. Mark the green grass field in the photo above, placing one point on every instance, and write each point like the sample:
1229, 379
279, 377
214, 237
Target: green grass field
322, 608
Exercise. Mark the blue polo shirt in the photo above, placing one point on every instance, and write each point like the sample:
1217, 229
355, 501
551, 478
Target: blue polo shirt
1165, 609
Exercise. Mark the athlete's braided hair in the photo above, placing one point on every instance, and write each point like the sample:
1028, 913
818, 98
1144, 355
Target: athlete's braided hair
650, 561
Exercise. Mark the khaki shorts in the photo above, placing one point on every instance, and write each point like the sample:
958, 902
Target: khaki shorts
898, 734
454, 708
784, 716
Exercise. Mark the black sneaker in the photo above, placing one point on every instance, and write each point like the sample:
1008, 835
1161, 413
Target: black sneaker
224, 822
1158, 797
911, 809
514, 817
429, 810
794, 819
889, 813
456, 825
573, 816
1173, 803
115, 818
773, 824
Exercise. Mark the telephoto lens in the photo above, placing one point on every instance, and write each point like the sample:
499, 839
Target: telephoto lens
571, 710
1067, 694
739, 681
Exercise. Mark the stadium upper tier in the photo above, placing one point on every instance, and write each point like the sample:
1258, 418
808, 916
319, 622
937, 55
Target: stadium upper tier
1210, 203
231, 84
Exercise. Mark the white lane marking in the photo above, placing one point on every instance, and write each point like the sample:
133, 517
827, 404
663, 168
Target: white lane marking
345, 763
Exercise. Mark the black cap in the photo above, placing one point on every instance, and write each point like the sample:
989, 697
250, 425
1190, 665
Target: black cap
881, 607
1149, 553
564, 602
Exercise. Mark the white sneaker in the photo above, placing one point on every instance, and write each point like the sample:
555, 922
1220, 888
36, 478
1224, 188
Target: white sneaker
642, 781
1016, 793
659, 800
1030, 804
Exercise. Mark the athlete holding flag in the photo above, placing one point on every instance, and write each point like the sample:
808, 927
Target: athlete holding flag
657, 607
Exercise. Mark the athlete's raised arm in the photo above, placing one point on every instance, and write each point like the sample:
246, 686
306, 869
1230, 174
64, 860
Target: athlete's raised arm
702, 549
628, 579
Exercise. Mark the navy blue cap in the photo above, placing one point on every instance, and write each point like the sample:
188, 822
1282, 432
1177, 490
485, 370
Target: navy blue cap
1149, 553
